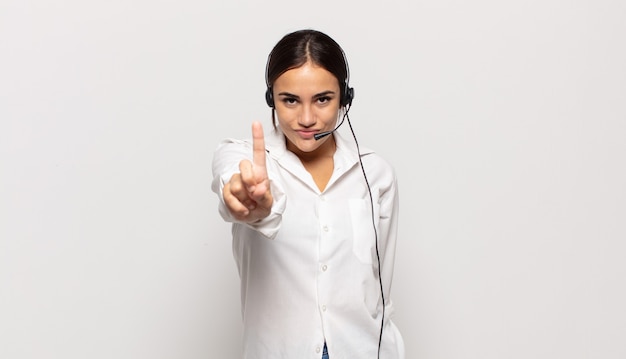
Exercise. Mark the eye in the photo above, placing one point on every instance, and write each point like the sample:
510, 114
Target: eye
289, 100
324, 99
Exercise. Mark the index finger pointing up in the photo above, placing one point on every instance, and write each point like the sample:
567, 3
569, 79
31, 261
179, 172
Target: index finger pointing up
258, 146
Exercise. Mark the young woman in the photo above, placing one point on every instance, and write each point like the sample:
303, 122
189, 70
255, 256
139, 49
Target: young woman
314, 217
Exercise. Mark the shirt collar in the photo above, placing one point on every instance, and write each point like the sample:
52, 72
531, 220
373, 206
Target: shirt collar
275, 144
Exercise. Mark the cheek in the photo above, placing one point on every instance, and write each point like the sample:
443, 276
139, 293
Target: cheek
329, 116
281, 112
283, 117
285, 120
331, 113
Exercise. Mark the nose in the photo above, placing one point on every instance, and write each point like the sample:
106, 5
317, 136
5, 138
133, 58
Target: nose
307, 117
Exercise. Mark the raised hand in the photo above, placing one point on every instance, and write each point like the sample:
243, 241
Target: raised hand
247, 195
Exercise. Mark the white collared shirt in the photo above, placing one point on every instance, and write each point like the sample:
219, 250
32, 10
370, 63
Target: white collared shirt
309, 271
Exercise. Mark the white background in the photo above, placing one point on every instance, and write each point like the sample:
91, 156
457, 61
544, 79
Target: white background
505, 121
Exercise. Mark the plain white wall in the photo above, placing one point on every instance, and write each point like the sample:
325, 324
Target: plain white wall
505, 121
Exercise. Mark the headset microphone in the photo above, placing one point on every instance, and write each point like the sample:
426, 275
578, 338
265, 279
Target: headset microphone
319, 136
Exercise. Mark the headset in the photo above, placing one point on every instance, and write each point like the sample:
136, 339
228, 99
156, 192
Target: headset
345, 100
347, 92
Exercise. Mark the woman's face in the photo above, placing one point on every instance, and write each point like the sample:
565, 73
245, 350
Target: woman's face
307, 102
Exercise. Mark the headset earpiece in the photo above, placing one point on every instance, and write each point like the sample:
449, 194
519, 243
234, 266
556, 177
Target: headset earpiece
269, 97
348, 96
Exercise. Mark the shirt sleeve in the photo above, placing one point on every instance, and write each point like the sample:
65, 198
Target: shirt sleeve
225, 164
388, 202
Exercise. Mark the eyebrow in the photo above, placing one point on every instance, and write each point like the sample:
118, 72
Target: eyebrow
321, 94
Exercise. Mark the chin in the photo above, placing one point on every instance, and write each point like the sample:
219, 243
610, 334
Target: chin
305, 146
308, 147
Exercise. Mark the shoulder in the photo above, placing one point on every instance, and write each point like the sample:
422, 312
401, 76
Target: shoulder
274, 145
379, 171
233, 144
228, 153
378, 168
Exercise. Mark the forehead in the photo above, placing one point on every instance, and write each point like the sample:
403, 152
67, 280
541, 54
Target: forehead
307, 76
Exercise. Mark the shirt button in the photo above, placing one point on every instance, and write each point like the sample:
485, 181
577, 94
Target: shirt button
323, 308
322, 198
325, 228
318, 349
324, 268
